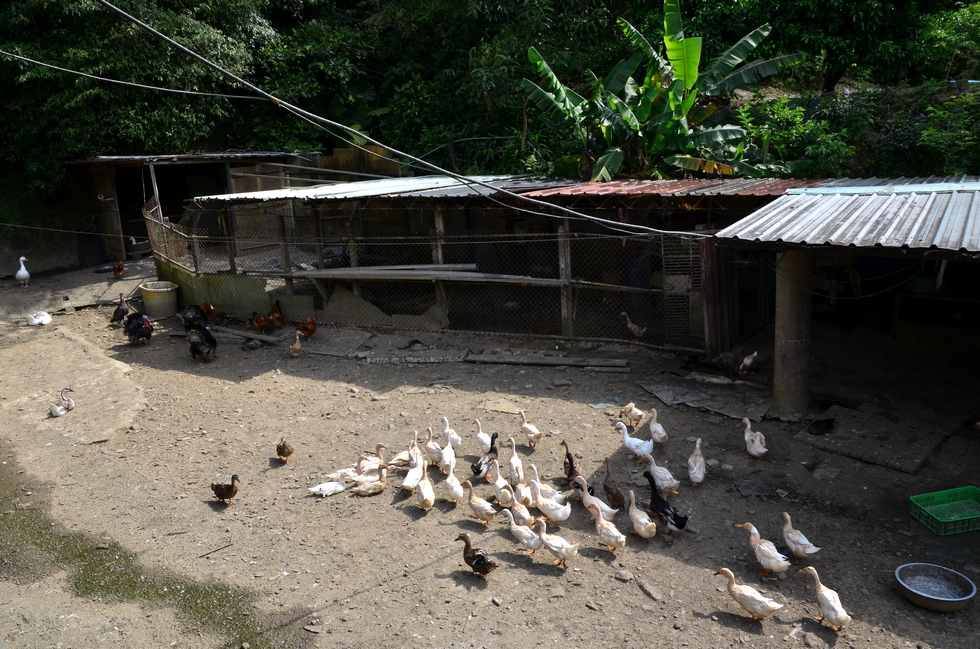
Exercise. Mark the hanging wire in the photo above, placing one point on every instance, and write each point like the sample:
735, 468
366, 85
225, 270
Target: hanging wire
809, 289
127, 83
621, 227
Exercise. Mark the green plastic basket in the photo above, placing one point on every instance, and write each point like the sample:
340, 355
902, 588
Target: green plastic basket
948, 512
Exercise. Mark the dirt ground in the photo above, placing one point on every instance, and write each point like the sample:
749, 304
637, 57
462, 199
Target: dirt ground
108, 522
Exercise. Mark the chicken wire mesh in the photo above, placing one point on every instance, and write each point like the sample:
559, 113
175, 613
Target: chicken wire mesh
401, 268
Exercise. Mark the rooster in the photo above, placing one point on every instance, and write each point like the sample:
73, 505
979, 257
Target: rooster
307, 328
275, 314
193, 316
211, 313
118, 269
260, 322
122, 310
201, 343
138, 328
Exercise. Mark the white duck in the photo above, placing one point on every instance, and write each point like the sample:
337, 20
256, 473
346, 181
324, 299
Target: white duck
632, 413
501, 488
755, 442
765, 551
666, 482
547, 489
452, 437
425, 494
657, 432
412, 478
749, 364
590, 501
454, 489
521, 514
695, 465
533, 434
550, 508
67, 402
758, 605
608, 533
798, 544
39, 318
333, 486
556, 545
636, 446
642, 524
404, 458
522, 492
448, 459
22, 275
515, 464
432, 449
833, 610
58, 410
482, 438
527, 537
482, 510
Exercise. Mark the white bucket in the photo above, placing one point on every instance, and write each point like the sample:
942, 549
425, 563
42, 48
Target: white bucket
160, 299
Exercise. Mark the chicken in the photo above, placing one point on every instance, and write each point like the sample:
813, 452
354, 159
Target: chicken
260, 322
138, 328
635, 329
211, 313
275, 315
193, 316
118, 270
295, 348
749, 364
201, 343
633, 414
307, 328
122, 310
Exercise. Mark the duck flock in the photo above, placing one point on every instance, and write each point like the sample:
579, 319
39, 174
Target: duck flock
534, 510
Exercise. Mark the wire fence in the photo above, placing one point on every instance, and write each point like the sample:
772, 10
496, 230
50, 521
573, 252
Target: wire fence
415, 268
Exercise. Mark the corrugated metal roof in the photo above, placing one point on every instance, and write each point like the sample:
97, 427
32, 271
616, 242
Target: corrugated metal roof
699, 187
944, 220
185, 158
345, 191
516, 185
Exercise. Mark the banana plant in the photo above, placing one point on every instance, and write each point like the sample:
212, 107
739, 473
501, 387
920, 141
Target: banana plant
657, 119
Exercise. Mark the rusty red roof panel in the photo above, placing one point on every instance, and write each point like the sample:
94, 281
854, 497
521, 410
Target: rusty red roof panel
693, 187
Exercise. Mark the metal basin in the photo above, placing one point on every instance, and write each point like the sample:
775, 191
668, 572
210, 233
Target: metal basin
934, 587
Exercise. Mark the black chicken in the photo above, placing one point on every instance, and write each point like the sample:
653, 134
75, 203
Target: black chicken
193, 316
662, 509
138, 328
202, 344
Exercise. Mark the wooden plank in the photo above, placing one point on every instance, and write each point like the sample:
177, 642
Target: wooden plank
619, 370
549, 360
248, 334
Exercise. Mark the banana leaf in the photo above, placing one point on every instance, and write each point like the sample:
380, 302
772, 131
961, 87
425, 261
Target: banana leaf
735, 55
751, 73
700, 164
640, 42
607, 165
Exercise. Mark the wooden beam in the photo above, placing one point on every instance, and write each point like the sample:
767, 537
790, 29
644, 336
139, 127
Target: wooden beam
247, 334
554, 361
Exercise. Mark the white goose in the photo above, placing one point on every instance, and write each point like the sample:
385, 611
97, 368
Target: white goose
666, 482
533, 434
432, 449
447, 459
454, 489
549, 507
515, 464
425, 493
609, 534
642, 524
452, 437
590, 501
335, 485
22, 275
501, 488
696, 467
482, 438
527, 537
657, 432
556, 545
547, 489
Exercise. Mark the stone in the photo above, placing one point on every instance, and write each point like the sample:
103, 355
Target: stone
826, 473
557, 591
561, 382
727, 467
496, 601
811, 640
624, 576
712, 462
651, 591
592, 605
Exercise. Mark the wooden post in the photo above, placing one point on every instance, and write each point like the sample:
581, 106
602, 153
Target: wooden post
352, 252
287, 264
791, 359
230, 233
565, 274
156, 193
440, 233
318, 225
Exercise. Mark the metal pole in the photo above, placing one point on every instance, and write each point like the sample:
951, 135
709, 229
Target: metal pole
791, 359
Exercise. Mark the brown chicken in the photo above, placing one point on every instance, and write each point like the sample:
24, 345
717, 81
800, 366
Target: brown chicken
307, 328
118, 269
260, 322
211, 313
275, 314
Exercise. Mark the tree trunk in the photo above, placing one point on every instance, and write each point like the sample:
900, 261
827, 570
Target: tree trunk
831, 76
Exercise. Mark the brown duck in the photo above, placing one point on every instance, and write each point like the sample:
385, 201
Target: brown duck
226, 491
284, 450
613, 494
478, 560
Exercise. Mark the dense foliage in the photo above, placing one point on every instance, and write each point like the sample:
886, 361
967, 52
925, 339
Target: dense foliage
442, 78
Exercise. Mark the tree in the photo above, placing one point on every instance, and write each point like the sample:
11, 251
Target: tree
644, 124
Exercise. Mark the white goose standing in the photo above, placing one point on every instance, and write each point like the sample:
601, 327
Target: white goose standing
22, 275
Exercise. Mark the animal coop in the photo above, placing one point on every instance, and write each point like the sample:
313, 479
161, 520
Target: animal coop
432, 252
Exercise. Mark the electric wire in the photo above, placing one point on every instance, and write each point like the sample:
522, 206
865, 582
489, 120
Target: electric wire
809, 289
128, 83
324, 121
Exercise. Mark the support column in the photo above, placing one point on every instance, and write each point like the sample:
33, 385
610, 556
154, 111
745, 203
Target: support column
791, 358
